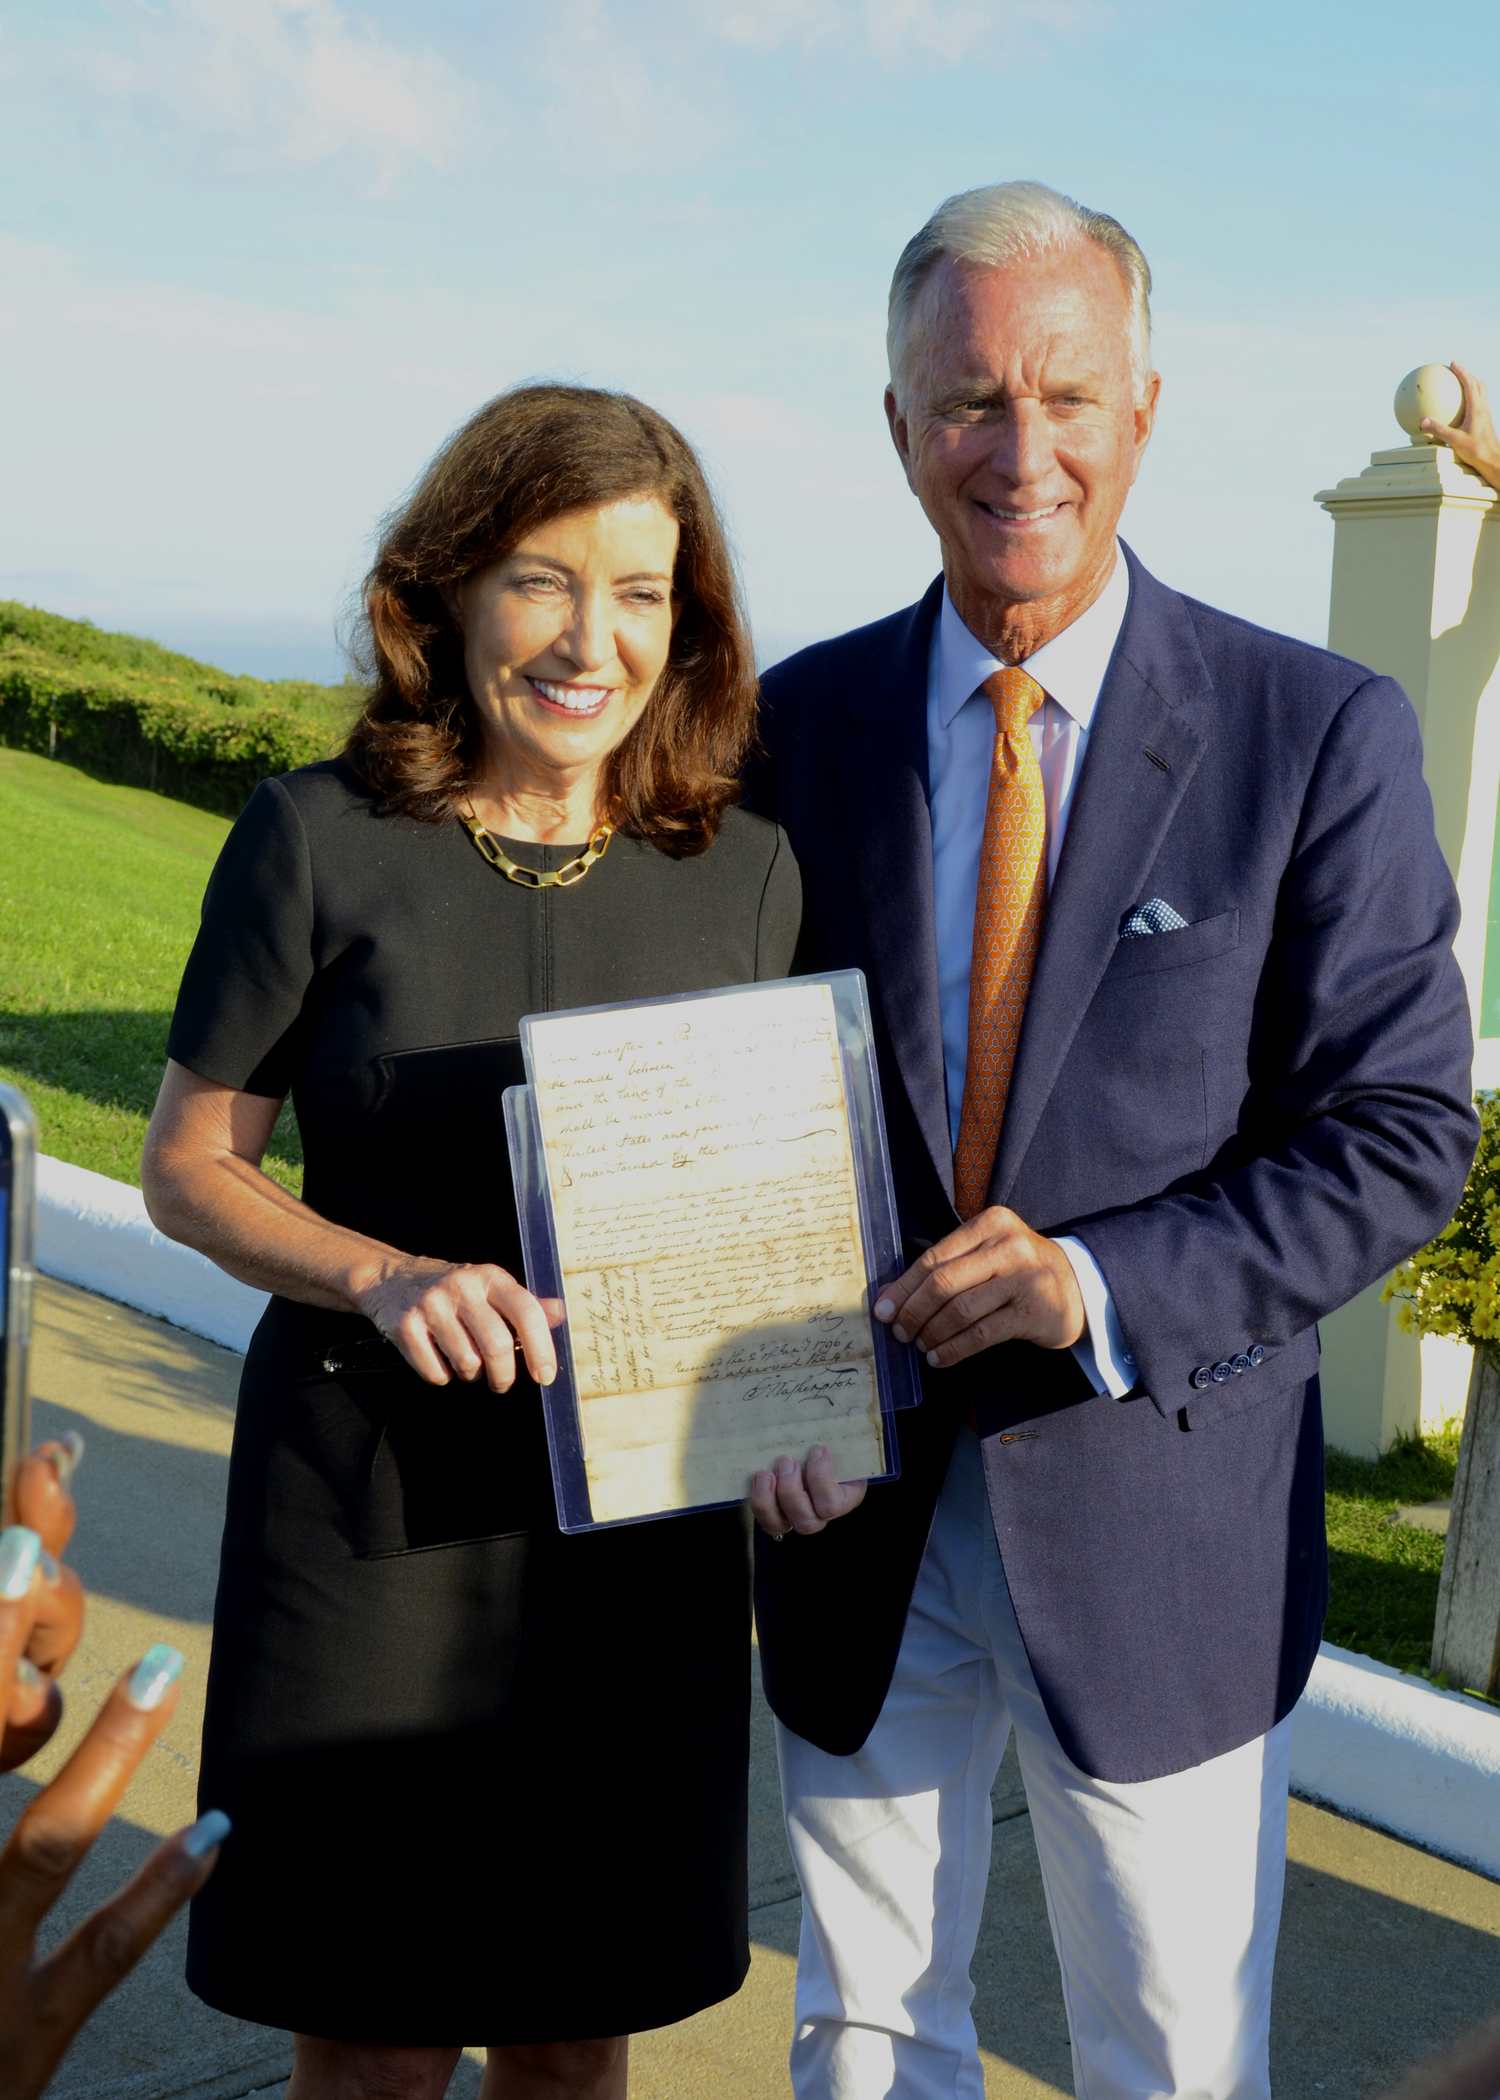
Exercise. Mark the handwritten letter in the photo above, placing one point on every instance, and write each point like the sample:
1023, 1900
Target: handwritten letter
708, 1221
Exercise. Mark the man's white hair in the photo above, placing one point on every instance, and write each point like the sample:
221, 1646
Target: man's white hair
997, 225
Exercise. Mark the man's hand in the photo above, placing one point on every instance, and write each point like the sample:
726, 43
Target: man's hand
1472, 438
994, 1280
788, 1497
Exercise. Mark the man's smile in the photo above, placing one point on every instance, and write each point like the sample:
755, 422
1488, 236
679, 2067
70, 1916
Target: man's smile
1019, 517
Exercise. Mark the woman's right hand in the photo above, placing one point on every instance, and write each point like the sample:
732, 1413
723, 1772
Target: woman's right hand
462, 1320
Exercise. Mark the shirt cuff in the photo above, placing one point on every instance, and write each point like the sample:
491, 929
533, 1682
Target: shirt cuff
1102, 1356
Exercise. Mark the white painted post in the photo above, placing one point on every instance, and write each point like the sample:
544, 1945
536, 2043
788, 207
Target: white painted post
1416, 593
1466, 1637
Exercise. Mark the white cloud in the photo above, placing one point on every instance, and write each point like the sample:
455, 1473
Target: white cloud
942, 31
827, 532
630, 76
287, 84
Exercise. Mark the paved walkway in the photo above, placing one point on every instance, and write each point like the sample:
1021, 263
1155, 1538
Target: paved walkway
1386, 1953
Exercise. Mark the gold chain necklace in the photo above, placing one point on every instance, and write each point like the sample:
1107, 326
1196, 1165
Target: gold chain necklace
537, 878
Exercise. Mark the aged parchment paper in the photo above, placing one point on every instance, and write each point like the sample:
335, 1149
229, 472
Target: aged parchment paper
707, 1217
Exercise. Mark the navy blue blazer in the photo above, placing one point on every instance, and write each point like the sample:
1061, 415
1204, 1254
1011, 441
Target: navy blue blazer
1246, 1121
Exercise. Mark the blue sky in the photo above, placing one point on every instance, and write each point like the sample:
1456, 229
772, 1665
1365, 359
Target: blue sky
257, 257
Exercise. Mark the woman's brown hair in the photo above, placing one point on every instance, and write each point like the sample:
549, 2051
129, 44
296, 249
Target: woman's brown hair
529, 456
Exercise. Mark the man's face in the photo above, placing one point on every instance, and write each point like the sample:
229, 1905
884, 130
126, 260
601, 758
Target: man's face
1020, 428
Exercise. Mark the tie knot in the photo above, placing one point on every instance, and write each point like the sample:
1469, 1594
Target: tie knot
1015, 696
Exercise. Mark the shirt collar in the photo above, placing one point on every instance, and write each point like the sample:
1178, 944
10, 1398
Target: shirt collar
1070, 667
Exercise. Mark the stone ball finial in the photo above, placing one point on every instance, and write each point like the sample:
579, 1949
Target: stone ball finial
1432, 390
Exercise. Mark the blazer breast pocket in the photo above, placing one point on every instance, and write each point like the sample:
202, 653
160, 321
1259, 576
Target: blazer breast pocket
1200, 942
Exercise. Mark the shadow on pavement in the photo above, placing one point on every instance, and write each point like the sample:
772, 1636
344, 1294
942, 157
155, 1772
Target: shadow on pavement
149, 1517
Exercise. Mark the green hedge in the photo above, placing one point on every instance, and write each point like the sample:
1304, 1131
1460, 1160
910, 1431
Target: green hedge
1452, 1285
128, 710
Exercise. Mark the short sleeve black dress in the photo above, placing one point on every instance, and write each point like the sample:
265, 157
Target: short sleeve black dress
488, 1781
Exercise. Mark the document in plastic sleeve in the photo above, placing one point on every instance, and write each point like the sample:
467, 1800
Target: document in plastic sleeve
704, 1182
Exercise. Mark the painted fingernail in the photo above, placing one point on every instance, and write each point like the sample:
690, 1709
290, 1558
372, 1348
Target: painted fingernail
883, 1308
48, 1566
153, 1676
28, 1674
69, 1457
900, 1333
210, 1829
20, 1550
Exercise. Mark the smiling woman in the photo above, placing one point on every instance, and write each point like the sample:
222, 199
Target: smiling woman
417, 1679
560, 562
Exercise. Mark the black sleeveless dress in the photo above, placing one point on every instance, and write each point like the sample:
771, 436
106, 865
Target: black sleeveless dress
488, 1781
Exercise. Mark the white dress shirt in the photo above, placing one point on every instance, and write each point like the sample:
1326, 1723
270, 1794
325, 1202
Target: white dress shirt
960, 748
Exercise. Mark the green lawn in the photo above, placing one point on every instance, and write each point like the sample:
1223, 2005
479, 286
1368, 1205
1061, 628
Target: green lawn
1383, 1577
99, 895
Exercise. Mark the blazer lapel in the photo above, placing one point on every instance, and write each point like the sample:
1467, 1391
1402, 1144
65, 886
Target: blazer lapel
890, 825
1152, 699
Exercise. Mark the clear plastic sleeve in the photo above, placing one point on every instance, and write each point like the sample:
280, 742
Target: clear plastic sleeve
894, 1368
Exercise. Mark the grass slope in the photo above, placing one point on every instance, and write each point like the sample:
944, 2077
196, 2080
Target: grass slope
99, 894
30, 636
1383, 1577
127, 710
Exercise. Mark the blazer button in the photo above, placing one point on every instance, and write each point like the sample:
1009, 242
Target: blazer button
1202, 1377
1257, 1357
1241, 1365
1223, 1371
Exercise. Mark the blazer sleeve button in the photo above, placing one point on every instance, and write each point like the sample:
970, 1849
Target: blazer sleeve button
1223, 1371
1257, 1357
1202, 1377
1241, 1365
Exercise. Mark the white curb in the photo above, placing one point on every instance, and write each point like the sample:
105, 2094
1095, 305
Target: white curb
93, 1231
1395, 1751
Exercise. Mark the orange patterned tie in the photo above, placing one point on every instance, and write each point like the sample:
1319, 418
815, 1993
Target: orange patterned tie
1008, 917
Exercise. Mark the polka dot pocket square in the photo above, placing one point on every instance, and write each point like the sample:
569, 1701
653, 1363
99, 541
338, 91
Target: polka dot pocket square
1154, 916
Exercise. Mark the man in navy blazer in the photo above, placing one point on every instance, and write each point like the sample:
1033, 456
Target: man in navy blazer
1241, 1094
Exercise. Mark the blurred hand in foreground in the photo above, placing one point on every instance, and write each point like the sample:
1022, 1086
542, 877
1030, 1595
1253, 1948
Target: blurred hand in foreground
1472, 438
43, 2002
52, 1594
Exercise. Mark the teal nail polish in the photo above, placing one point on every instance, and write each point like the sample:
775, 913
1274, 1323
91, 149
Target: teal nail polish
153, 1676
20, 1550
210, 1829
70, 1458
28, 1674
48, 1566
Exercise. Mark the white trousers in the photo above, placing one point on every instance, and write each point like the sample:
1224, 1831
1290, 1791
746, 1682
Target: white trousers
1164, 1897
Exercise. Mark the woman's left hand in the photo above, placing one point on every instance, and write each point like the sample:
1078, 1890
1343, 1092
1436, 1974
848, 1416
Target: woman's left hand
788, 1497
